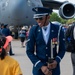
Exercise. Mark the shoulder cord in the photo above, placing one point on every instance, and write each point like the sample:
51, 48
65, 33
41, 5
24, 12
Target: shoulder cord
58, 38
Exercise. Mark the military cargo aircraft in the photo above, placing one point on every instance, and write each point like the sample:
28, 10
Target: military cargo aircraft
19, 12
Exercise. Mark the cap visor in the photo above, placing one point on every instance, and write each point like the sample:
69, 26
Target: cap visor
9, 38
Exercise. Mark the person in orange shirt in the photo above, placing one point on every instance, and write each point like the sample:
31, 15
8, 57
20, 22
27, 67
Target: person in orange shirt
8, 65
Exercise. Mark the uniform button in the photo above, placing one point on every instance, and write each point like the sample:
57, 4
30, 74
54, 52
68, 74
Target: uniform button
46, 47
46, 54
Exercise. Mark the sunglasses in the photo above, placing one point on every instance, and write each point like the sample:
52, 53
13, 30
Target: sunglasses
39, 18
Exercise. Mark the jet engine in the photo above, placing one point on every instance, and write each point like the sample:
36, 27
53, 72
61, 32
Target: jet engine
67, 10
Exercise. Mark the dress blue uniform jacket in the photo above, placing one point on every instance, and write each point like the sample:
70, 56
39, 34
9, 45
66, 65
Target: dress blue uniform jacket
6, 32
38, 51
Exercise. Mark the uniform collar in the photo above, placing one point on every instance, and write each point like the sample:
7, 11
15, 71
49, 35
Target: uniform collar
48, 26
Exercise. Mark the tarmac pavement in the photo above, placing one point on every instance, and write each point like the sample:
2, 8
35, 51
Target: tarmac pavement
26, 65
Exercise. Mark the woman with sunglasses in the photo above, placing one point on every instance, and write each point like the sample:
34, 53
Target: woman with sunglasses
42, 44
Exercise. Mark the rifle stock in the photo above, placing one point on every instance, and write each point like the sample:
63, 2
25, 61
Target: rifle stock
50, 60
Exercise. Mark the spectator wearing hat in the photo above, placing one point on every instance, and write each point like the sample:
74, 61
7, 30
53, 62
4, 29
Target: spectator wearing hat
1, 27
8, 65
22, 35
6, 32
44, 40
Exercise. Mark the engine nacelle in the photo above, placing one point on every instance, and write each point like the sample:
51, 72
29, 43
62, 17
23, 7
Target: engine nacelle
67, 10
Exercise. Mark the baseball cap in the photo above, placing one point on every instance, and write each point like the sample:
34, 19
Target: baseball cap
8, 39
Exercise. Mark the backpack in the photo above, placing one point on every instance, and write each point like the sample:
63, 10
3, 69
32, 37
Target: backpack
69, 39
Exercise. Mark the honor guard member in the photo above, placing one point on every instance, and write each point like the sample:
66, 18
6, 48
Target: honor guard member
42, 43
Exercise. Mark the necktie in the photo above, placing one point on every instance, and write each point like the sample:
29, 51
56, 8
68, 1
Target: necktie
45, 28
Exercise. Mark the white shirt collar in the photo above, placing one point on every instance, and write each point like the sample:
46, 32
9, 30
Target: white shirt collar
46, 33
48, 26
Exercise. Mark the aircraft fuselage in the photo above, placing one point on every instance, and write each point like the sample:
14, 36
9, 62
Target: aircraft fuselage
18, 12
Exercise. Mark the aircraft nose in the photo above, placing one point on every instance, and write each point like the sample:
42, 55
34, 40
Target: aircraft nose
19, 8
19, 5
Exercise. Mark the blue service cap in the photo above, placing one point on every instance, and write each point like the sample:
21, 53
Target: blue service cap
41, 11
2, 24
5, 24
